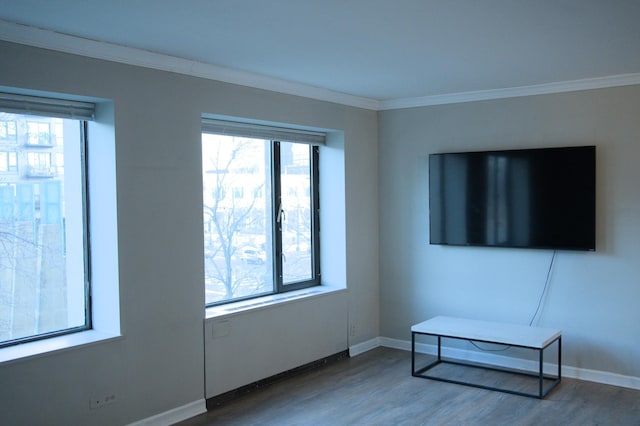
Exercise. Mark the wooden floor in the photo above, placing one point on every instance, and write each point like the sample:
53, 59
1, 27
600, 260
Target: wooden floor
376, 388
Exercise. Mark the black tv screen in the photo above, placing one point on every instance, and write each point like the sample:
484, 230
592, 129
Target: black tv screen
527, 198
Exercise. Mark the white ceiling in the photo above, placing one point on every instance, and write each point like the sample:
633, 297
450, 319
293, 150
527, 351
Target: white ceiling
382, 51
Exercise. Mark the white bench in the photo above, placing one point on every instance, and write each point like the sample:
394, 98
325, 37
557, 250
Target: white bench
535, 338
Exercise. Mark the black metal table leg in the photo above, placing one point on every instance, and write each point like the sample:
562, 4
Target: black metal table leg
413, 353
559, 357
540, 394
541, 377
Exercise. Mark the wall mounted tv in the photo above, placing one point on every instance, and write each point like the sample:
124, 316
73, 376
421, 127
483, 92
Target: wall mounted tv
526, 198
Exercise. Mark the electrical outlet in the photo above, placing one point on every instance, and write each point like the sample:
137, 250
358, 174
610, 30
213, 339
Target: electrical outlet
352, 330
102, 400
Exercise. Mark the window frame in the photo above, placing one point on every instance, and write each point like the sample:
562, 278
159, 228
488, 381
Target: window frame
9, 136
314, 207
11, 167
277, 250
59, 108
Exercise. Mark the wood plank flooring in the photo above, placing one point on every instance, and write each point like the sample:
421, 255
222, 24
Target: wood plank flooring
376, 388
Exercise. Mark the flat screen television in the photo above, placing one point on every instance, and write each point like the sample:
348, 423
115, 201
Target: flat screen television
526, 198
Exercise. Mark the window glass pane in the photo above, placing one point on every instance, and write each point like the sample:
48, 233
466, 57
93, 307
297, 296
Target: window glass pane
296, 202
237, 217
42, 261
7, 127
39, 132
13, 162
4, 161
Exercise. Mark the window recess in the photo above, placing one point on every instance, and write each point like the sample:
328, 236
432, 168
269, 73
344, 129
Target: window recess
263, 237
44, 273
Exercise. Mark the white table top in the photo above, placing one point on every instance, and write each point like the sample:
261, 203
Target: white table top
497, 332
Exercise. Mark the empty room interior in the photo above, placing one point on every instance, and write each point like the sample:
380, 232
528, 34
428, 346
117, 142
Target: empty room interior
203, 199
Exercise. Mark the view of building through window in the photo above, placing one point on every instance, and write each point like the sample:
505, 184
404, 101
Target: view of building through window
42, 262
243, 239
296, 209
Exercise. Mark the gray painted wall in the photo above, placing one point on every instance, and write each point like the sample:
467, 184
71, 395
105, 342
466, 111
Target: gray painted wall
159, 363
593, 296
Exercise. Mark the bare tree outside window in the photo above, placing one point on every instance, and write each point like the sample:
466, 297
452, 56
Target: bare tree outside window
260, 213
42, 266
237, 253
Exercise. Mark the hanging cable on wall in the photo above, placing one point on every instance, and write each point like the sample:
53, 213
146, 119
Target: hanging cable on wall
544, 290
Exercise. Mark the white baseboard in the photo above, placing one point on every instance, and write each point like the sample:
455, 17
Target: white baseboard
364, 347
387, 342
175, 415
603, 377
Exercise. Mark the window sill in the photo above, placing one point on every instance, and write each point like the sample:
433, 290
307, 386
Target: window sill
43, 347
265, 302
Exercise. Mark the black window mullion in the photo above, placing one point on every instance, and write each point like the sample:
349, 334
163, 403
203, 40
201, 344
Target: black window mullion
315, 216
277, 219
84, 148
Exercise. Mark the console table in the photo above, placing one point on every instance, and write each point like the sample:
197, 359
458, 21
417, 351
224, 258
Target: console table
534, 338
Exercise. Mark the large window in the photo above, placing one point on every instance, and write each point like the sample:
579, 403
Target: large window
44, 288
260, 198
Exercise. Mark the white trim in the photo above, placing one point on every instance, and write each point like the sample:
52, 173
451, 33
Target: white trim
403, 345
56, 344
46, 39
219, 312
596, 376
38, 37
175, 415
512, 92
363, 347
603, 377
